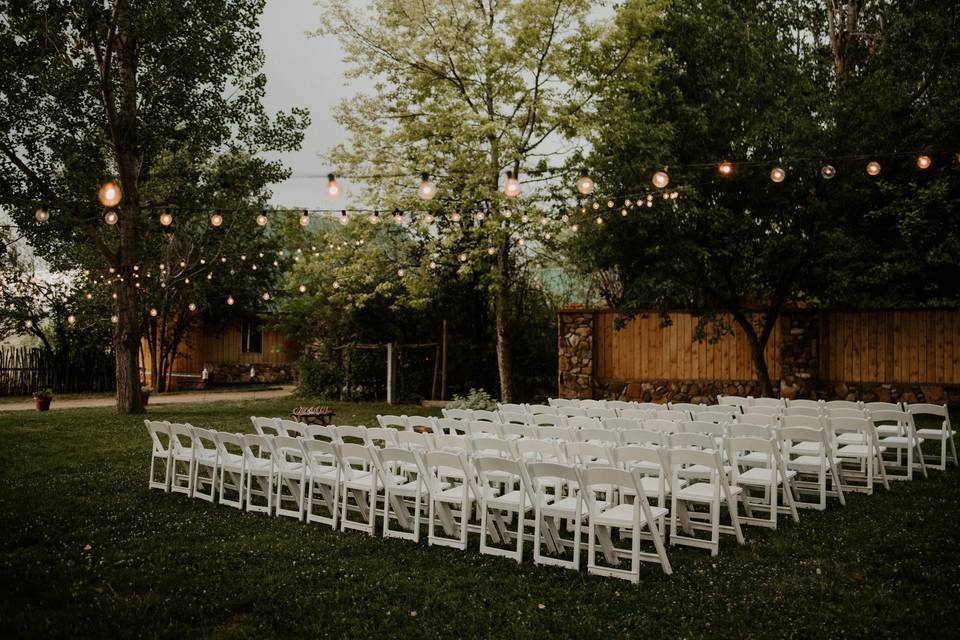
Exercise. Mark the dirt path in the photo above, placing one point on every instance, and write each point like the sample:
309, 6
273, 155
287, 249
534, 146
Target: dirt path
193, 397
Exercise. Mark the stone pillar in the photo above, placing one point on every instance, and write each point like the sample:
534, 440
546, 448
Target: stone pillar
575, 349
799, 357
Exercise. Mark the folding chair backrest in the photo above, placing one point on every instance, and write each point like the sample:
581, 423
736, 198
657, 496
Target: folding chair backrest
546, 420
619, 405
642, 437
927, 409
595, 480
853, 425
583, 422
751, 444
622, 423
791, 435
292, 428
687, 406
287, 452
421, 422
843, 404
748, 430
229, 444
160, 436
482, 428
805, 403
322, 432
352, 435
587, 453
266, 426
353, 458
388, 459
538, 450
381, 436
637, 414
392, 421
204, 440
882, 406
560, 402
902, 419
720, 415
699, 426
440, 463
556, 433
734, 401
810, 422
181, 437
593, 404
814, 412
844, 412
511, 407
756, 419
486, 416
598, 412
777, 403
628, 456
508, 417
571, 412
257, 448
451, 443
492, 469
413, 440
451, 426
319, 455
764, 410
677, 458
675, 416
552, 475
692, 441
483, 446
518, 430
664, 426
539, 409
608, 436
458, 414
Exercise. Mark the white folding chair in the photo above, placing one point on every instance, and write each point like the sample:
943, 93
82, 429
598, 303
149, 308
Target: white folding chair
457, 414
542, 410
562, 402
491, 446
809, 411
735, 401
547, 420
638, 415
414, 441
358, 480
673, 416
322, 432
598, 412
381, 436
572, 412
562, 434
232, 468
422, 423
661, 425
450, 426
504, 491
588, 454
323, 481
689, 407
351, 434
942, 434
808, 451
511, 407
452, 493
619, 404
554, 506
205, 463
391, 420
512, 431
843, 404
404, 491
482, 429
589, 403
259, 471
756, 419
182, 459
866, 454
292, 428
634, 518
583, 422
622, 423
162, 451
514, 418
648, 463
774, 403
608, 437
804, 403
266, 426
715, 492
770, 475
720, 415
764, 410
643, 437
291, 476
485, 416
904, 442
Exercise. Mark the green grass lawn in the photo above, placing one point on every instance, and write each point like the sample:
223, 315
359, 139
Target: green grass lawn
87, 550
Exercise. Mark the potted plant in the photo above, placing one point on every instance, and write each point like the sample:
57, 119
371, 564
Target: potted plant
145, 395
42, 398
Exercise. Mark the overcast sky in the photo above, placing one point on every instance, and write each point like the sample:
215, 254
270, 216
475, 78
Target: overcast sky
306, 72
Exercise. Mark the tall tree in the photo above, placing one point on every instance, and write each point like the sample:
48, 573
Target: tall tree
467, 91
93, 91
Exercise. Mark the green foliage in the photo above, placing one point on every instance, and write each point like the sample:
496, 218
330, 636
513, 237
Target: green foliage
475, 399
43, 394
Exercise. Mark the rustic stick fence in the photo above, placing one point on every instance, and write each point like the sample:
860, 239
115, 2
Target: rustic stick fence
23, 370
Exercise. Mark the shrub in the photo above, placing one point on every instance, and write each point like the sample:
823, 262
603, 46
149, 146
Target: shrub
476, 399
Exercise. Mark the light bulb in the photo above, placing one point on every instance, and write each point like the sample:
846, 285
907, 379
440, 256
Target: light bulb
397, 217
462, 257
585, 183
873, 167
42, 214
599, 220
547, 235
428, 219
524, 218
674, 195
265, 296
192, 306
661, 179
575, 228
336, 285
302, 288
610, 204
153, 313
114, 318
401, 273
110, 194
777, 174
166, 218
456, 216
28, 323
230, 300
623, 212
491, 250
261, 219
375, 218
110, 217
480, 215
72, 319
512, 186
924, 162
305, 218
333, 189
433, 265
427, 189
725, 169
216, 219
596, 205
828, 171
344, 219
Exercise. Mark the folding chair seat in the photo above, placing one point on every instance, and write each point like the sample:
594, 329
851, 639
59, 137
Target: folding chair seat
511, 407
232, 468
182, 459
903, 440
608, 437
450, 495
391, 420
260, 471
322, 480
943, 433
689, 407
483, 429
702, 442
771, 476
632, 518
661, 425
648, 463
673, 416
381, 436
507, 417
555, 505
562, 434
776, 403
572, 412
162, 451
358, 479
457, 414
601, 413
637, 414
421, 423
451, 426
542, 410
617, 424
504, 492
291, 476
512, 431
546, 420
715, 492
292, 428
404, 491
205, 464
867, 456
266, 426
808, 451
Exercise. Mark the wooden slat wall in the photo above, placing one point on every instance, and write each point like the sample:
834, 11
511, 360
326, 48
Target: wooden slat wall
224, 347
891, 346
644, 350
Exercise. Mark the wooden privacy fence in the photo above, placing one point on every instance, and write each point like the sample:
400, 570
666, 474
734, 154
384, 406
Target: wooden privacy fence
24, 370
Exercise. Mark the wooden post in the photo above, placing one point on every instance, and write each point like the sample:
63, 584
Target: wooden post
436, 370
390, 373
443, 362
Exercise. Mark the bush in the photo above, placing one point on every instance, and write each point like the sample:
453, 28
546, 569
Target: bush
476, 399
319, 377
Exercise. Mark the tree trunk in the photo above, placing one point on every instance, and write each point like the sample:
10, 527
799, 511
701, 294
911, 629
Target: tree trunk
502, 316
126, 344
758, 346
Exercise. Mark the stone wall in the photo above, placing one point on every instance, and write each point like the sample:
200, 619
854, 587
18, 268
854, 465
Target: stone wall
673, 390
575, 347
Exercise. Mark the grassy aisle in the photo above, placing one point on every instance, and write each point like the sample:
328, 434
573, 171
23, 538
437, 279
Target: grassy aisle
87, 550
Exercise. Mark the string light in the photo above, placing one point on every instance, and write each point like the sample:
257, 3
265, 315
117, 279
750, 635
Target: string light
429, 219
153, 312
427, 189
265, 295
397, 216
192, 307
114, 319
302, 288
599, 220
462, 257
401, 272
230, 300
661, 179
28, 323
512, 186
42, 214
343, 218
110, 194
375, 218
333, 189
111, 217
491, 250
828, 171
456, 216
305, 218
433, 265
507, 213
166, 218
336, 285
71, 319
585, 184
924, 162
725, 168
524, 218
261, 219
216, 219
777, 174
480, 215
873, 167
